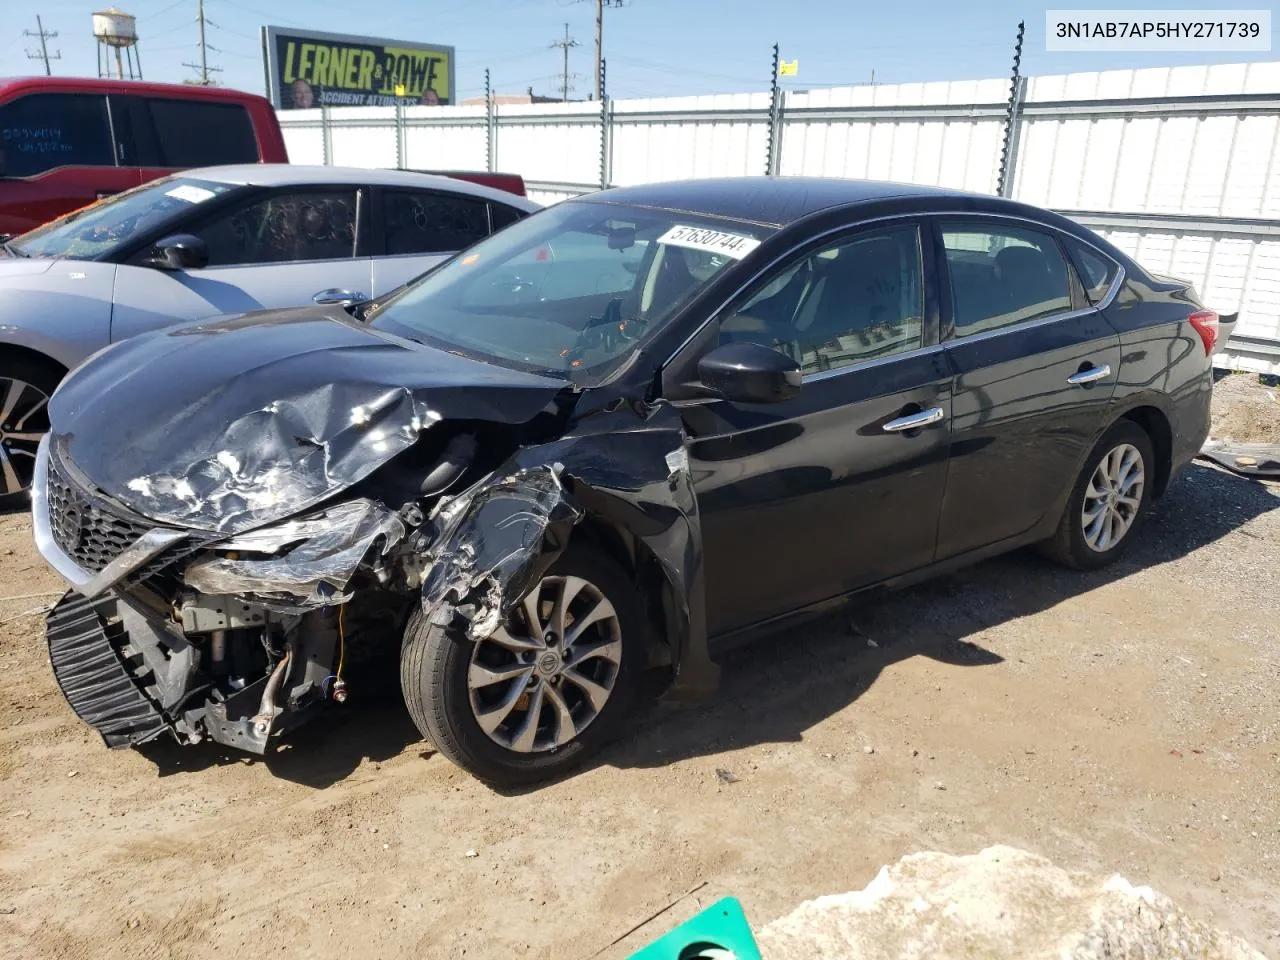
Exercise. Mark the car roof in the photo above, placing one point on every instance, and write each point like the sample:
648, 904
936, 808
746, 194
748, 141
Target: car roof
289, 174
773, 201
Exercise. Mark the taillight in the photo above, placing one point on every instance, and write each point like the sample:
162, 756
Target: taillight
1206, 324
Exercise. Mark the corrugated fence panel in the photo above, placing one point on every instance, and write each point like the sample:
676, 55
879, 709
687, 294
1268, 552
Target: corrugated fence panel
557, 141
303, 135
444, 138
664, 138
363, 137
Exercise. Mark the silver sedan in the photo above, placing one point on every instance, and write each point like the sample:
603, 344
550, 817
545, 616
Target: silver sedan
209, 242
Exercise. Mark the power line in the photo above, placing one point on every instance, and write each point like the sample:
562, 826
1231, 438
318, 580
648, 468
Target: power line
565, 45
44, 54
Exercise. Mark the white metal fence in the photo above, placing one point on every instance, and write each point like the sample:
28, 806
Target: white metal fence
1176, 166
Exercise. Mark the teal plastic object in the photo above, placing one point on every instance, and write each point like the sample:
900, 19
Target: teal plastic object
720, 932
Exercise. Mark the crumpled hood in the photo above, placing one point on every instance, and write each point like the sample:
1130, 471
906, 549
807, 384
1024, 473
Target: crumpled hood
229, 425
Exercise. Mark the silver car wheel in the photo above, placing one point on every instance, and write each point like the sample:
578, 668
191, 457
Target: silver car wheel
1113, 498
24, 420
546, 673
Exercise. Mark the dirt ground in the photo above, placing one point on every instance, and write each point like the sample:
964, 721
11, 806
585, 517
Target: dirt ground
1120, 721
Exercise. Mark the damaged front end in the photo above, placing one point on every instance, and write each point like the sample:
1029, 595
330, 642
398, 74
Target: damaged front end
212, 624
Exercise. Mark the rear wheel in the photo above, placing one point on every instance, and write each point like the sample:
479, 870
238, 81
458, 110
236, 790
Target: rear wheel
25, 388
549, 686
1110, 495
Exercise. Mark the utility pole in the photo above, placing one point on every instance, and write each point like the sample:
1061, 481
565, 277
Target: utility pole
44, 47
600, 5
204, 48
565, 44
203, 65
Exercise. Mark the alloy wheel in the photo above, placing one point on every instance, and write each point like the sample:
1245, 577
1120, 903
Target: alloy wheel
24, 420
546, 673
1113, 498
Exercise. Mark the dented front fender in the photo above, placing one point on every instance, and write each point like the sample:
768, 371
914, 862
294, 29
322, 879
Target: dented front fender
627, 469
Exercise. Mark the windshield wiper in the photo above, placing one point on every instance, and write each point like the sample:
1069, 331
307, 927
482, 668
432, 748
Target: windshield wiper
13, 251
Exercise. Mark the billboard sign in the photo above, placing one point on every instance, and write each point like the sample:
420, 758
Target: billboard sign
306, 68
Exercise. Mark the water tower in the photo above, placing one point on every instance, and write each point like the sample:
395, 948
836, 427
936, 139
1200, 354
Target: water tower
117, 31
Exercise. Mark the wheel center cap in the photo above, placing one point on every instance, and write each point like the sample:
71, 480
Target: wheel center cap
548, 664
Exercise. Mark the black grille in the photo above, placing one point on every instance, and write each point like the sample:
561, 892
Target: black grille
87, 532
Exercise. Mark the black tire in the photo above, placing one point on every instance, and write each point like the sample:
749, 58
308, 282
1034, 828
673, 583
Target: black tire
1069, 545
434, 667
44, 376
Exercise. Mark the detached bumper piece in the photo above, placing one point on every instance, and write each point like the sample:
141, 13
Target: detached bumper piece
102, 679
1261, 460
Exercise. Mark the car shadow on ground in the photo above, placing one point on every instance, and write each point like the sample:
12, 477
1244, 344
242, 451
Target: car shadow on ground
373, 725
781, 686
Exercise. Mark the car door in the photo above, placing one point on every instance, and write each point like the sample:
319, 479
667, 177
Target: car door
419, 228
57, 154
839, 487
1035, 369
277, 248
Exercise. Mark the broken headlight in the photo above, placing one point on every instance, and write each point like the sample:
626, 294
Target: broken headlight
311, 559
333, 522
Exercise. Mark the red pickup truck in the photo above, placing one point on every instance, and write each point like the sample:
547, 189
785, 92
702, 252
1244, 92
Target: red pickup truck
66, 142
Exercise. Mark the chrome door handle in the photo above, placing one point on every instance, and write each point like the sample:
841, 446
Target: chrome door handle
334, 295
915, 421
1091, 375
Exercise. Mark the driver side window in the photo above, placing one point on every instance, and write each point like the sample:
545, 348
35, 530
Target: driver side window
858, 300
285, 228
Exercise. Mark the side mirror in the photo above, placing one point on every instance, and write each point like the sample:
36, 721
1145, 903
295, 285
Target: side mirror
750, 373
182, 251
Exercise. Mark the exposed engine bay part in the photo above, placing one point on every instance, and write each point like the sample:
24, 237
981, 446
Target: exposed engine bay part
133, 678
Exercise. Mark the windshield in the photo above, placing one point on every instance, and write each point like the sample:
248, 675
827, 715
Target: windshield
571, 290
100, 228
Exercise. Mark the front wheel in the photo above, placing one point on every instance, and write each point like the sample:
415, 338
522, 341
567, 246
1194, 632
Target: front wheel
549, 687
1110, 495
25, 389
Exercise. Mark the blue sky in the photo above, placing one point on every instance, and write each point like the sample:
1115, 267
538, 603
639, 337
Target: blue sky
654, 47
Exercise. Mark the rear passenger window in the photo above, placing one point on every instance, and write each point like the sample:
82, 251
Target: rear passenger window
44, 131
1096, 271
285, 228
1002, 275
194, 134
422, 222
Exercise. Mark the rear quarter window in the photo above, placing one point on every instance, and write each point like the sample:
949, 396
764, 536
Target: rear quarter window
44, 131
1096, 271
191, 133
500, 215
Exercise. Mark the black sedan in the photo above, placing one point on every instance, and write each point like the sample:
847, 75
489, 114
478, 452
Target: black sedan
613, 437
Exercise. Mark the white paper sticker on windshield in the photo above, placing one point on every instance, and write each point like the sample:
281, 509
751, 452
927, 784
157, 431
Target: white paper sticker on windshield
734, 245
190, 194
